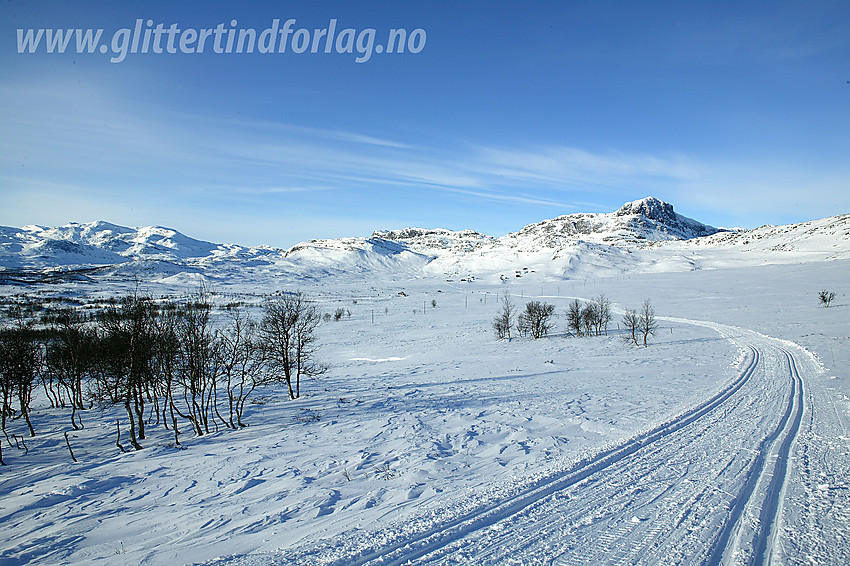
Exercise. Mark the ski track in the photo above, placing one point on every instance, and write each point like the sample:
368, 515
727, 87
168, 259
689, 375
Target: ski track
705, 487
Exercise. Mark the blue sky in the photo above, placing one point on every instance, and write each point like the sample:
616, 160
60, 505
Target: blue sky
512, 112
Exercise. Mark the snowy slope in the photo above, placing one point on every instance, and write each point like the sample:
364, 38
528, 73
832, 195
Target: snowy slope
431, 442
438, 240
826, 235
354, 255
96, 243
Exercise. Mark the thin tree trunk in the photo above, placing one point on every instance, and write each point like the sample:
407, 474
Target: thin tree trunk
240, 405
208, 402
78, 392
287, 375
73, 416
129, 410
230, 398
26, 415
191, 415
215, 408
139, 405
68, 442
118, 440
155, 410
53, 403
174, 426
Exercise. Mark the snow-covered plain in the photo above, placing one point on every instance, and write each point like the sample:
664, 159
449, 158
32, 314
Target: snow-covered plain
429, 441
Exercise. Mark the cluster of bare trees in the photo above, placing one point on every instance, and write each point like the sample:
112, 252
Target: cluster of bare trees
583, 319
534, 321
162, 361
640, 324
21, 356
590, 318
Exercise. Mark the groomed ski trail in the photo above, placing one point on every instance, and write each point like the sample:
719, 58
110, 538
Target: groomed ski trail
705, 487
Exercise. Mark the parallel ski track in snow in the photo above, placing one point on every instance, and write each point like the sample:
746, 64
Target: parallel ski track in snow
763, 540
701, 488
437, 537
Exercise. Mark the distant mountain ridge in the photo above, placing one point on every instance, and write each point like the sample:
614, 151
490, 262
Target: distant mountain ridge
84, 245
641, 221
638, 222
566, 245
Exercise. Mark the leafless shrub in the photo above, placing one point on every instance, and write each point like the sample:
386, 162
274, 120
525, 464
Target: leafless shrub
505, 319
825, 297
537, 318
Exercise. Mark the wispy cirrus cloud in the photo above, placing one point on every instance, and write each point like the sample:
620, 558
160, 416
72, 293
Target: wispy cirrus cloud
81, 135
275, 129
568, 167
279, 190
78, 150
510, 198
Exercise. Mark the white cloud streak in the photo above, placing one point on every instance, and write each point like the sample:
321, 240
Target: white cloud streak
111, 155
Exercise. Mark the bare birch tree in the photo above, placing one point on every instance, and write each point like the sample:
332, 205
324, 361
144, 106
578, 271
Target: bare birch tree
288, 340
630, 323
647, 323
505, 320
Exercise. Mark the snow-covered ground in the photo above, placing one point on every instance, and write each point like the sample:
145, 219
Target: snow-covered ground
432, 441
727, 440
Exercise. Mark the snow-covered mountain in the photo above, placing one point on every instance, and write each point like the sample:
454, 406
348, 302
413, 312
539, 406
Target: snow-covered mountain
826, 235
97, 243
433, 240
638, 222
635, 223
645, 235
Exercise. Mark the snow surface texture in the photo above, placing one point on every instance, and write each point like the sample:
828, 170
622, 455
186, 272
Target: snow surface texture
726, 441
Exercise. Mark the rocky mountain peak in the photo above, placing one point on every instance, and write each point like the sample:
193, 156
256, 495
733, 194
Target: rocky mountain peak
649, 207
